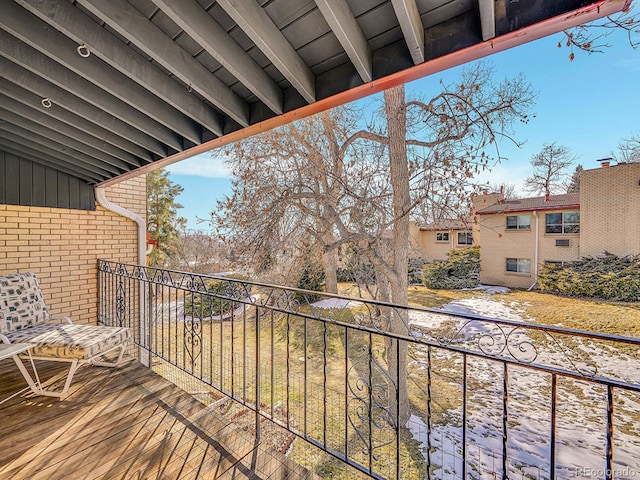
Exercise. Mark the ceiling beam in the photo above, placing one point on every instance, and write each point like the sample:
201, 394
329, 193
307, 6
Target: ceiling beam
412, 28
89, 116
345, 27
39, 35
30, 99
83, 30
57, 141
50, 151
130, 23
487, 18
259, 27
39, 158
200, 26
29, 58
30, 118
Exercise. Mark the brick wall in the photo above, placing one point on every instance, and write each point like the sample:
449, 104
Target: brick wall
62, 247
610, 210
498, 244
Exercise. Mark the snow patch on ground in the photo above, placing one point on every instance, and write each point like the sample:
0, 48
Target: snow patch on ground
491, 289
334, 303
485, 307
581, 406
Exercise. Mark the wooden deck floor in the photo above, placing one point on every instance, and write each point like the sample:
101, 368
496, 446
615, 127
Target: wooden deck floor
125, 423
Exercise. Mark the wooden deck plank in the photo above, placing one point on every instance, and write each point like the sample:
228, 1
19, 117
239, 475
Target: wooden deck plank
124, 423
178, 443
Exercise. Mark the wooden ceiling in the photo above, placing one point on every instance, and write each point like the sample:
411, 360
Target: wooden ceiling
105, 90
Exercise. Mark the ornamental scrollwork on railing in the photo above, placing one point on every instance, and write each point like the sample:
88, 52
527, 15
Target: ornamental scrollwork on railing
519, 343
370, 409
193, 338
121, 304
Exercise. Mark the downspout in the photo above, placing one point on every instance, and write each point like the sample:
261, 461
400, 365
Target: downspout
536, 252
107, 204
104, 202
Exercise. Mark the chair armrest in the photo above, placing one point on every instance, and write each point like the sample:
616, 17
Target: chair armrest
61, 318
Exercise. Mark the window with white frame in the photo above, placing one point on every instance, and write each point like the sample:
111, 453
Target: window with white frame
442, 236
465, 238
519, 265
567, 222
518, 222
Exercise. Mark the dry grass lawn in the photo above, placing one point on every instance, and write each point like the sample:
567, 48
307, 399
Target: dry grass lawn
613, 318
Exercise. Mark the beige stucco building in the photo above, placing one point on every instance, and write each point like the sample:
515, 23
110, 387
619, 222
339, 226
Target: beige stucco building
517, 237
433, 241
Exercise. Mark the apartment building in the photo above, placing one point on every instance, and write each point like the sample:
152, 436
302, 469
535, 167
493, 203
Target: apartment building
520, 235
517, 237
433, 241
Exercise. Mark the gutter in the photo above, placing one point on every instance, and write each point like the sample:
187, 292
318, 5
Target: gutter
104, 202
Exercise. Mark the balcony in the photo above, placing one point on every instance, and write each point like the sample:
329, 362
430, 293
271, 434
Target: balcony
127, 423
237, 379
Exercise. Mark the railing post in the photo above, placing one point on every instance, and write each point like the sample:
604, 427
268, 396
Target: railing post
505, 423
552, 446
257, 374
609, 463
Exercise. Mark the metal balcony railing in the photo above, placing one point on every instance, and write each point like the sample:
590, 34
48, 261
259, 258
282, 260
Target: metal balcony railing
453, 396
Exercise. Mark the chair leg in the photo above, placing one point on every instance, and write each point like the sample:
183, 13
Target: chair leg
115, 363
67, 383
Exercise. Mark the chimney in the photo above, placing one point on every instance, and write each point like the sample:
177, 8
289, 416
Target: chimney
546, 197
604, 162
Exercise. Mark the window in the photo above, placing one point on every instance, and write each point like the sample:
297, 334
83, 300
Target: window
465, 238
519, 222
568, 222
519, 265
442, 236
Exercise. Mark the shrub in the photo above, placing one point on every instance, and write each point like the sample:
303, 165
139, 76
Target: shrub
311, 278
460, 270
608, 278
415, 270
207, 305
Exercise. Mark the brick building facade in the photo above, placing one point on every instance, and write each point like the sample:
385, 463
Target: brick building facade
62, 246
517, 236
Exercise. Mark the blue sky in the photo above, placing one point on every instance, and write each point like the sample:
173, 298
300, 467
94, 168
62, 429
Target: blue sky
589, 105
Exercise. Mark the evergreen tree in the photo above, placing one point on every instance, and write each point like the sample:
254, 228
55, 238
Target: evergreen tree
163, 222
574, 182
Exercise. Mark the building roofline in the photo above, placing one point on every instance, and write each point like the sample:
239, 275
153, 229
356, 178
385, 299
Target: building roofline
531, 209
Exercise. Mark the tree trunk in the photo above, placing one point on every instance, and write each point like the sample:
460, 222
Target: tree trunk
330, 267
398, 281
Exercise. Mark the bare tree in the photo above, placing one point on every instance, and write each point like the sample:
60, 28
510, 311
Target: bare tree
628, 150
343, 185
508, 190
592, 37
288, 187
549, 169
198, 251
